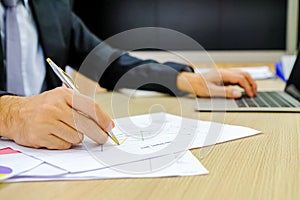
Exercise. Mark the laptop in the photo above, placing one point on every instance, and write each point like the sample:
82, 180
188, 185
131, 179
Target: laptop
265, 101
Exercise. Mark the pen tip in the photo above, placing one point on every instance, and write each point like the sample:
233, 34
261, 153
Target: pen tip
115, 140
49, 60
113, 137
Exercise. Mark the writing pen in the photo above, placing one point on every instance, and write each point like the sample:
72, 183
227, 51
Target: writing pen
68, 81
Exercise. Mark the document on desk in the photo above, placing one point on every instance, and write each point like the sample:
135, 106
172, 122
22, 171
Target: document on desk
13, 163
136, 137
78, 158
187, 165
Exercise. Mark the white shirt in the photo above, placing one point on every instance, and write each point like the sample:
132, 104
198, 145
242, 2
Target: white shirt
33, 63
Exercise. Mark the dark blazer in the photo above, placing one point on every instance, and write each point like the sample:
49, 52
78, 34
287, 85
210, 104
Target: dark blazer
66, 40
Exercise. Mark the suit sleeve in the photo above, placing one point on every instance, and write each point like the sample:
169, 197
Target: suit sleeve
114, 68
3, 93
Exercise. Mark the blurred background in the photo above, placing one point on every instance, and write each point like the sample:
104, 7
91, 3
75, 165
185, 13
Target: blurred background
265, 26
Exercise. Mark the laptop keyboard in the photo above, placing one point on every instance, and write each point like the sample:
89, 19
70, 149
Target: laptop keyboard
266, 99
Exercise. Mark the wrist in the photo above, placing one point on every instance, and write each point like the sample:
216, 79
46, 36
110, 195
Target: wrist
8, 109
184, 80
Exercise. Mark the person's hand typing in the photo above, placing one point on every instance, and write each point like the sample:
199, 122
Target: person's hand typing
55, 119
211, 84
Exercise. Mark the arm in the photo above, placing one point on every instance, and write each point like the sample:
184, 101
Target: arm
4, 93
130, 72
108, 65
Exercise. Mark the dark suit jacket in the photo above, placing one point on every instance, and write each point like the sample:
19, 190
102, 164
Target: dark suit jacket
66, 40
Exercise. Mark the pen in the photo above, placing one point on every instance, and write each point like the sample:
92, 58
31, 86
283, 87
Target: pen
68, 81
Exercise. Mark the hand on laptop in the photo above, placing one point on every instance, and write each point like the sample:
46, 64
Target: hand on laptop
211, 84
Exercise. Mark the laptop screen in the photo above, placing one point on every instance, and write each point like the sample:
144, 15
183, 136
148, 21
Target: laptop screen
293, 83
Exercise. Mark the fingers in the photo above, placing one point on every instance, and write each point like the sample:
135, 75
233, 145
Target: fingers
85, 115
240, 78
53, 142
90, 108
232, 93
221, 91
72, 124
90, 128
251, 81
66, 133
84, 125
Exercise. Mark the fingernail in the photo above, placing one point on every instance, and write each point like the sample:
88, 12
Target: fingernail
110, 126
236, 93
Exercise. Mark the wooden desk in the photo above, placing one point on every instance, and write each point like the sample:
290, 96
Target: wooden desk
266, 166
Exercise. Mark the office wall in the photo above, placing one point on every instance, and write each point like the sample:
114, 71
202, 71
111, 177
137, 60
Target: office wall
215, 24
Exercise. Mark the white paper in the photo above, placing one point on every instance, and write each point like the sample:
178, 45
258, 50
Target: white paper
17, 163
187, 165
44, 170
141, 93
80, 163
79, 158
256, 72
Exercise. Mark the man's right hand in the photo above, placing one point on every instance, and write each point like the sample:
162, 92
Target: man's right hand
55, 119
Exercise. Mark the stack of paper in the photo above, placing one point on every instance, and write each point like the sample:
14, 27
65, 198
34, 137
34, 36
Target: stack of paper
146, 142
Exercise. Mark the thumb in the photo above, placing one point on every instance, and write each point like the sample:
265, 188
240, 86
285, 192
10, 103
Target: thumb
232, 93
229, 92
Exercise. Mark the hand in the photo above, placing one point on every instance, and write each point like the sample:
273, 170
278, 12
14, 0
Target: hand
210, 84
52, 120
